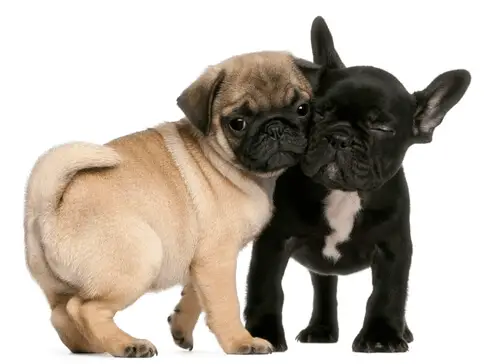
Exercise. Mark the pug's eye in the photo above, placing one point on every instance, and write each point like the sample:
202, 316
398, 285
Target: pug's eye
302, 110
237, 124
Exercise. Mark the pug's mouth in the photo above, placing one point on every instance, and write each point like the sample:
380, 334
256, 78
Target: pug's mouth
266, 155
276, 162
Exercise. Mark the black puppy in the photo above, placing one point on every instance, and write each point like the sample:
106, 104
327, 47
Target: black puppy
347, 207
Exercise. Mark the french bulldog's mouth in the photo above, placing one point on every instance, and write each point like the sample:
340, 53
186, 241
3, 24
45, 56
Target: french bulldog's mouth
337, 170
332, 176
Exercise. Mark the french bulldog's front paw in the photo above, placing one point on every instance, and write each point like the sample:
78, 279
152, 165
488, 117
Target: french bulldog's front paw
379, 338
408, 335
317, 333
251, 345
270, 328
181, 335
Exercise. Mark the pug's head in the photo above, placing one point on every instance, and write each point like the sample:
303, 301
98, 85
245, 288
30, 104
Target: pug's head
365, 120
254, 109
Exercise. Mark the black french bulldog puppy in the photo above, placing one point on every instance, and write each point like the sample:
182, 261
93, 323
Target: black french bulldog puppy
346, 208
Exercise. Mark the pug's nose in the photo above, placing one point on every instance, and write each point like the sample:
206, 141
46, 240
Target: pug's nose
341, 140
275, 130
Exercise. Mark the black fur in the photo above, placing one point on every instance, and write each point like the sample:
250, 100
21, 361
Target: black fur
364, 122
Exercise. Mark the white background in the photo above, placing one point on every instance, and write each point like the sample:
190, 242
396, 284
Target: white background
96, 70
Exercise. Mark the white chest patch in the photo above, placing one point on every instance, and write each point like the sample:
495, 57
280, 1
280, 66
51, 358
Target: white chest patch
340, 210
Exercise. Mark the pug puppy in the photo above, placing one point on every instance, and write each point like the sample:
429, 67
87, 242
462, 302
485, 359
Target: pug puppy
346, 207
173, 204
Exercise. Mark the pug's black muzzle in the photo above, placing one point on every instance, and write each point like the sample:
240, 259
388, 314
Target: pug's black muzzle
275, 145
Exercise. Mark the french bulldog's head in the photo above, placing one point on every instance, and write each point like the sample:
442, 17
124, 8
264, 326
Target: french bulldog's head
365, 120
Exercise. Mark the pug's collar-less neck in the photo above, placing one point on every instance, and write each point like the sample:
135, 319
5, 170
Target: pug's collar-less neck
221, 162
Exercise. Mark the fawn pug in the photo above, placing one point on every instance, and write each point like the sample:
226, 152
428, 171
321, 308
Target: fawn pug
172, 204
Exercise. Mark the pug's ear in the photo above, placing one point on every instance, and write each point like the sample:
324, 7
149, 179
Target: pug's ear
323, 49
310, 70
435, 101
196, 101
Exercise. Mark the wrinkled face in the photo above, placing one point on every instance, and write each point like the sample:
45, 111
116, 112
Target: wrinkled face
362, 128
268, 139
262, 113
253, 109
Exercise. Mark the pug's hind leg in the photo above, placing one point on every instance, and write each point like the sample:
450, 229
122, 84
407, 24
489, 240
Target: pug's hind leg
184, 318
98, 319
113, 287
67, 328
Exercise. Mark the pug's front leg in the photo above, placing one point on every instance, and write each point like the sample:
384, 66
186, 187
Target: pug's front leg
184, 318
214, 278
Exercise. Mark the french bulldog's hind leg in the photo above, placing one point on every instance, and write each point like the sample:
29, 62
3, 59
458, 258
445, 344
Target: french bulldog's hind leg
67, 328
184, 318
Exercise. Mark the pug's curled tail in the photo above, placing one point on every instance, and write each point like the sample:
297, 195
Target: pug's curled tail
54, 170
49, 178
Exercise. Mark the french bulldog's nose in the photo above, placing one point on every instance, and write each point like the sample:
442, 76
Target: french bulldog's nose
275, 130
341, 140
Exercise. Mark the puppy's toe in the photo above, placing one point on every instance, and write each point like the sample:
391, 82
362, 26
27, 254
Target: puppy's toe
140, 349
379, 342
268, 327
253, 345
318, 334
181, 337
181, 340
408, 335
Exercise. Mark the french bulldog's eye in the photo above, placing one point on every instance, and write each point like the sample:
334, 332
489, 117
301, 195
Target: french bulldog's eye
302, 110
383, 128
237, 124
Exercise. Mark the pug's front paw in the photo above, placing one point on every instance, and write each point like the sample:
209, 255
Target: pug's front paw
250, 345
181, 333
268, 327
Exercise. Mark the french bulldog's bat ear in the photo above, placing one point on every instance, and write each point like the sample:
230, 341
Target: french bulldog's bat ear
310, 70
196, 101
436, 100
323, 49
